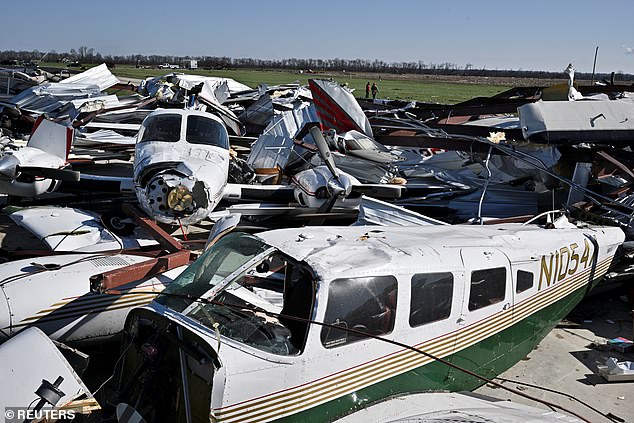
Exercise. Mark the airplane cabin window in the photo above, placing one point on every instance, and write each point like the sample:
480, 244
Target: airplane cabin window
524, 281
202, 130
488, 286
166, 128
432, 295
365, 304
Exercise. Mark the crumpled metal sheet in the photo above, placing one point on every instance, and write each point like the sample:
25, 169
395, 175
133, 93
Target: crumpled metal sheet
275, 146
52, 97
380, 213
260, 112
74, 108
49, 97
99, 76
506, 168
103, 136
187, 82
215, 92
366, 171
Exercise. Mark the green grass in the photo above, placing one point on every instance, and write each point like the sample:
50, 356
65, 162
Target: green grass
391, 87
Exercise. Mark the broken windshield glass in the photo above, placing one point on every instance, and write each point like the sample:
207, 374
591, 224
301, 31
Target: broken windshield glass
214, 265
247, 280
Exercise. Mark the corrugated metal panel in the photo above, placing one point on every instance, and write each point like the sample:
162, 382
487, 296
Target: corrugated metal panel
99, 75
49, 97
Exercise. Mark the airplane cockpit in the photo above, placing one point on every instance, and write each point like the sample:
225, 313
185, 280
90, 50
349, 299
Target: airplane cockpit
202, 130
166, 127
245, 278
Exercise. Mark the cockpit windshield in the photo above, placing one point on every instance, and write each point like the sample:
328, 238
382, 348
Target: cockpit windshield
162, 127
246, 278
202, 130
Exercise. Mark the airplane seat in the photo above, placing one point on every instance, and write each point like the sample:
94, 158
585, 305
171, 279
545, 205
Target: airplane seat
386, 316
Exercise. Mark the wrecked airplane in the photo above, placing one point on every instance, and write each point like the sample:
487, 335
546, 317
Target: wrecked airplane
306, 310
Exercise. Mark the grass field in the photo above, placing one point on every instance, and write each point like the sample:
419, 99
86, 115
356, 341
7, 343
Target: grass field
403, 87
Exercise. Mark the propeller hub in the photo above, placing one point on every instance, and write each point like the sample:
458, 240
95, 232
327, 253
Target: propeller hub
180, 198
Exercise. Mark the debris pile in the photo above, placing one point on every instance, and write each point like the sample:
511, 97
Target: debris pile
109, 200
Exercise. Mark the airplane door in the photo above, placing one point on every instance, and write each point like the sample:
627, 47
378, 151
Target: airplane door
487, 314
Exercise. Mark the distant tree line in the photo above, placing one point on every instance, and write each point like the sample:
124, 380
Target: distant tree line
87, 55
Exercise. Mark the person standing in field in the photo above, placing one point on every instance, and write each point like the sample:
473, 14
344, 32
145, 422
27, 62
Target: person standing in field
375, 89
367, 90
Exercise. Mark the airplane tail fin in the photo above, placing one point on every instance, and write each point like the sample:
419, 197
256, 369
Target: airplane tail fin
51, 137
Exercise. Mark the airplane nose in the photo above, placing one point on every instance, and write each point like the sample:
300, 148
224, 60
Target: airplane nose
175, 195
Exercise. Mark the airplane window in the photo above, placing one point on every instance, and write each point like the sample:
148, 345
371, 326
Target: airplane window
432, 295
202, 130
365, 304
163, 127
524, 281
488, 286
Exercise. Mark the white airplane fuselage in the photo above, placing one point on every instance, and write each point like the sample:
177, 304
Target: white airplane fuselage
481, 297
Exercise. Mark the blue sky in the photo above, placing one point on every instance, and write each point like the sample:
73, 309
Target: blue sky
528, 34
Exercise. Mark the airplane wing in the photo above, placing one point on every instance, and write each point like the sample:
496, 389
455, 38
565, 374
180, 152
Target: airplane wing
113, 178
244, 192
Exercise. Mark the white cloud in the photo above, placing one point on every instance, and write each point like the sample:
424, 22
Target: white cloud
628, 50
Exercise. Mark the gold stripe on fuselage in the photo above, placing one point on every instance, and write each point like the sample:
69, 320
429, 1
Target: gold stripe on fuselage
329, 387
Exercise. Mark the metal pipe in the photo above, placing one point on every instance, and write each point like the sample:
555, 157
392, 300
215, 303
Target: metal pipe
486, 185
594, 66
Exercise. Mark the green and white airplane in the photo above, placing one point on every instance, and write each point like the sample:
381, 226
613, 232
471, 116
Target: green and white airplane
289, 325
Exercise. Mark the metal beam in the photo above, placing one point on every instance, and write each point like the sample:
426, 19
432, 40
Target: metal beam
163, 238
422, 141
124, 275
